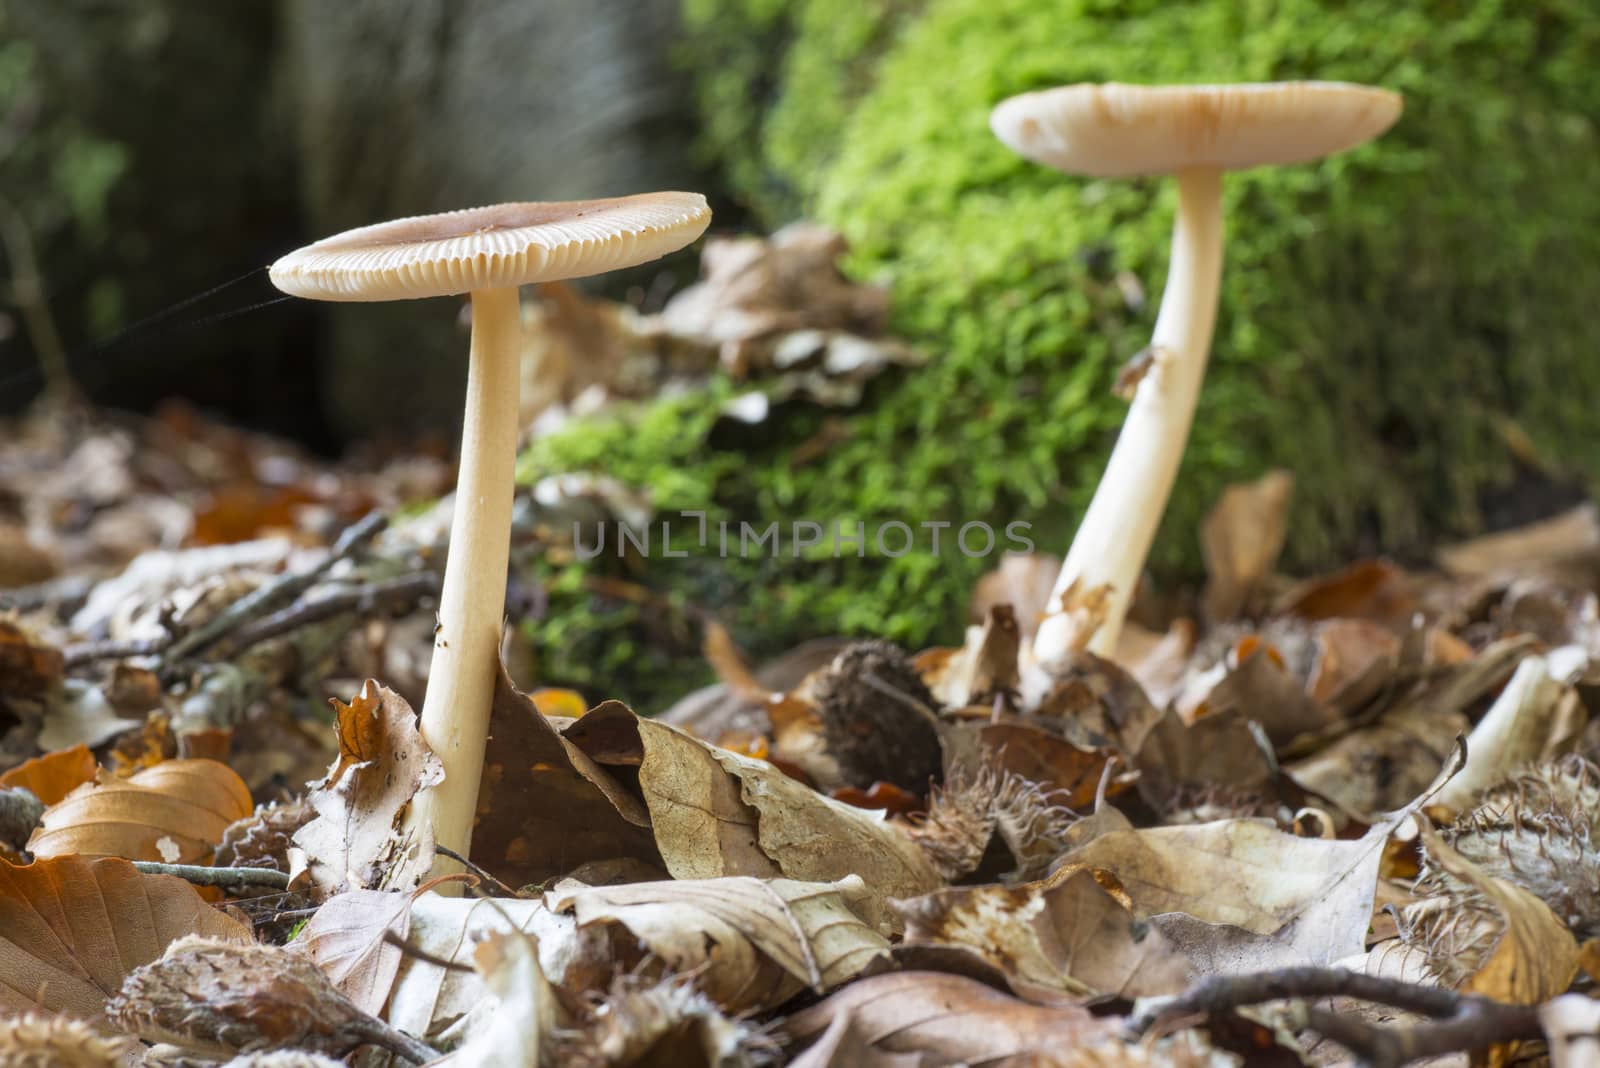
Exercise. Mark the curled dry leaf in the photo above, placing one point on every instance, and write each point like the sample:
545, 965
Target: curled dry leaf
1216, 752
544, 806
1069, 774
1512, 734
1257, 684
520, 1026
1022, 582
751, 943
174, 812
382, 763
948, 1019
26, 669
717, 813
71, 929
52, 776
1055, 940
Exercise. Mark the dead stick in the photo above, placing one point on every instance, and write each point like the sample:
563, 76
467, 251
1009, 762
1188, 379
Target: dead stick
266, 597
365, 598
1479, 1025
1222, 992
229, 878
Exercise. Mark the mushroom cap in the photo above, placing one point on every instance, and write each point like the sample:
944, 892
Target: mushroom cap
492, 248
1112, 130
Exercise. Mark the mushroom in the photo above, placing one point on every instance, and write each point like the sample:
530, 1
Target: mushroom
1195, 133
488, 253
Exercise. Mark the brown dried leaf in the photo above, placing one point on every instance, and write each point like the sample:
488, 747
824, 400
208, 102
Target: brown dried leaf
1512, 735
1216, 751
544, 806
948, 1018
986, 665
71, 929
1069, 774
717, 813
174, 812
1260, 688
1241, 539
1054, 940
347, 939
1369, 589
1023, 581
751, 943
1565, 546
52, 776
382, 763
26, 669
521, 1027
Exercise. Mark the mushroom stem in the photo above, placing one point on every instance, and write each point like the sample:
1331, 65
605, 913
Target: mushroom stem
466, 644
1107, 556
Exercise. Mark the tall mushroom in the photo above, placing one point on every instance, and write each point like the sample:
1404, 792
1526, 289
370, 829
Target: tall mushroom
487, 252
1195, 133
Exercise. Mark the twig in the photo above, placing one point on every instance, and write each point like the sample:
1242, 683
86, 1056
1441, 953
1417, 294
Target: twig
1457, 1023
365, 598
375, 1032
390, 938
1480, 1024
229, 878
494, 884
89, 652
265, 598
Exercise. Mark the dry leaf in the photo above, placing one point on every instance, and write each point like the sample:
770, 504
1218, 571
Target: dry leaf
521, 1024
1023, 581
53, 776
1370, 589
949, 1018
1241, 539
1512, 735
716, 813
545, 807
1053, 940
1567, 545
382, 763
1218, 752
1261, 688
751, 943
26, 669
174, 812
1069, 774
71, 929
347, 939
1312, 895
428, 1000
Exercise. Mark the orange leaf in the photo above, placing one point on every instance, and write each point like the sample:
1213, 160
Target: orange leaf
52, 776
26, 669
175, 812
74, 928
551, 701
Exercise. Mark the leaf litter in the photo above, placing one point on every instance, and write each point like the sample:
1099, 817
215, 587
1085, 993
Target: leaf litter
1271, 793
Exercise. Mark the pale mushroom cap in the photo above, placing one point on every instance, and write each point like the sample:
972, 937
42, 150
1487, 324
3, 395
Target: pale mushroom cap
492, 248
1112, 130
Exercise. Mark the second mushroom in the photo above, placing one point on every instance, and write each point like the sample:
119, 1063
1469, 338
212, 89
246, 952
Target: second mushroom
488, 253
1194, 133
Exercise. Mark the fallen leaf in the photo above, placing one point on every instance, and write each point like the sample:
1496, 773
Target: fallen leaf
1370, 589
1218, 752
26, 669
984, 667
174, 812
82, 715
520, 1025
1258, 686
348, 938
1023, 581
71, 929
382, 763
1054, 940
716, 813
1566, 545
1512, 734
949, 1018
53, 776
1240, 541
750, 943
1571, 1026
1069, 774
544, 806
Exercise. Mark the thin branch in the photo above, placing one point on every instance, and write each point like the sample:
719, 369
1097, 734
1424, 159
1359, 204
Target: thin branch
371, 597
375, 1032
494, 884
280, 591
89, 652
1457, 1023
230, 878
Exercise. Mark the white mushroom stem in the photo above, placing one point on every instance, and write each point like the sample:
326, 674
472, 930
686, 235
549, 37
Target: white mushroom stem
1108, 554
466, 645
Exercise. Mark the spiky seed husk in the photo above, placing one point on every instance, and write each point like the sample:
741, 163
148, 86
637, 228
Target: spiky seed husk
225, 998
1536, 830
878, 717
965, 814
35, 1041
663, 1022
262, 839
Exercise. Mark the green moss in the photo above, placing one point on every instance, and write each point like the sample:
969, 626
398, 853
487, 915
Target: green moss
1385, 313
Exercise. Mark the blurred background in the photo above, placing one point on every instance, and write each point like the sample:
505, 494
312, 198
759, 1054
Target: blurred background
1408, 328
